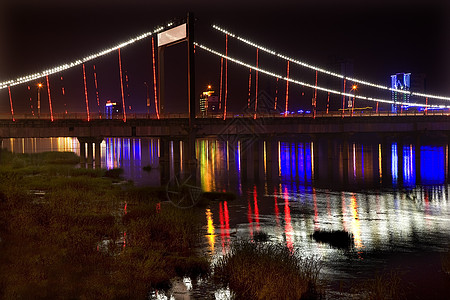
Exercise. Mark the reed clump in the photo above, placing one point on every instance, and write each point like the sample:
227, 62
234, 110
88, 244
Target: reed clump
382, 286
268, 271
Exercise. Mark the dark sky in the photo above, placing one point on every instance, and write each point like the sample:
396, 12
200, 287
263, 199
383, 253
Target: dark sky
380, 37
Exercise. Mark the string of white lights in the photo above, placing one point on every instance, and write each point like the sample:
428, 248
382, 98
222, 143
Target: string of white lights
239, 62
78, 62
315, 68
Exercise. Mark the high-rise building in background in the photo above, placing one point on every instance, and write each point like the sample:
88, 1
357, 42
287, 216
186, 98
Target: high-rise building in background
113, 110
400, 81
406, 82
209, 102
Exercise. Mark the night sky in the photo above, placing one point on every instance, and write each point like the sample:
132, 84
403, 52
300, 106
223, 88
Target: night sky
379, 37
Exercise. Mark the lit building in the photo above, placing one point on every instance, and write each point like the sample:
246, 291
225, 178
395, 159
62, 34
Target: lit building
400, 81
113, 110
209, 102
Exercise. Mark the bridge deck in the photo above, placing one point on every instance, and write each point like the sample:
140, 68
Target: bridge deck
178, 126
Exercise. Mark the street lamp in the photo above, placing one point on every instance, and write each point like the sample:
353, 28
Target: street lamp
40, 85
148, 98
354, 88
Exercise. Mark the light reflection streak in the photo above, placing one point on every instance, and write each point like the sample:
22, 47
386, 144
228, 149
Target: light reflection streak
356, 226
255, 203
380, 165
210, 230
265, 159
316, 211
354, 160
224, 227
288, 229
409, 175
279, 159
312, 159
276, 209
250, 219
394, 164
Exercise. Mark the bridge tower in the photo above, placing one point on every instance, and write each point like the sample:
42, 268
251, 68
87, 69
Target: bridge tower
175, 35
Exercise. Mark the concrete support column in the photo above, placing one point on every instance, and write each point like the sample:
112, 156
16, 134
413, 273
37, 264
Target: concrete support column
82, 152
90, 141
268, 158
176, 151
330, 148
176, 156
386, 148
345, 149
257, 157
417, 146
315, 159
243, 152
98, 154
90, 155
164, 166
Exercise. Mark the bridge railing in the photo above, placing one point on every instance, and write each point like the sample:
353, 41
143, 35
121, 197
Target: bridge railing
140, 116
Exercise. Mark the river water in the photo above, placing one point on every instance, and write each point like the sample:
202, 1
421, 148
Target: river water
391, 194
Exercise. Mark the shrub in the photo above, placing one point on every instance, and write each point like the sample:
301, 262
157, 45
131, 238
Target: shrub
114, 173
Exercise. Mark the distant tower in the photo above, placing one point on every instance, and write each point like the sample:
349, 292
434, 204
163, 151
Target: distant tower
400, 81
209, 102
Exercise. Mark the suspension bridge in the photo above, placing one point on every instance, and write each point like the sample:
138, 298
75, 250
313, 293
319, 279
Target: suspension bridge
275, 94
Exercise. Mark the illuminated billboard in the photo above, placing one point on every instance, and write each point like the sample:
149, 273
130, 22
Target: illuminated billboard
172, 35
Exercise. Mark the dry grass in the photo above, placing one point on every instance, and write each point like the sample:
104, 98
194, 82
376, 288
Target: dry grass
74, 240
268, 271
382, 287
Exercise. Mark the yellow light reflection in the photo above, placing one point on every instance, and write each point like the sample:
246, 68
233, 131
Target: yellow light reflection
228, 159
279, 159
205, 174
355, 223
181, 157
380, 168
210, 229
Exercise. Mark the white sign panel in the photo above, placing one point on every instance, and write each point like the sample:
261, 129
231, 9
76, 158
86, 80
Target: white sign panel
172, 35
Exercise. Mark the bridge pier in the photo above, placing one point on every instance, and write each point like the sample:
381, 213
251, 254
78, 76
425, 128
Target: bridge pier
90, 142
417, 158
330, 148
164, 146
315, 157
98, 154
385, 158
257, 156
268, 158
82, 153
176, 151
345, 149
243, 155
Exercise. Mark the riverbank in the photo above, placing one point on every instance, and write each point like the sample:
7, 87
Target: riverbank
74, 233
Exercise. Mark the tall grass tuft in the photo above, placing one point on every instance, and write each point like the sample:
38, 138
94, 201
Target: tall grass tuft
382, 286
445, 260
268, 271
